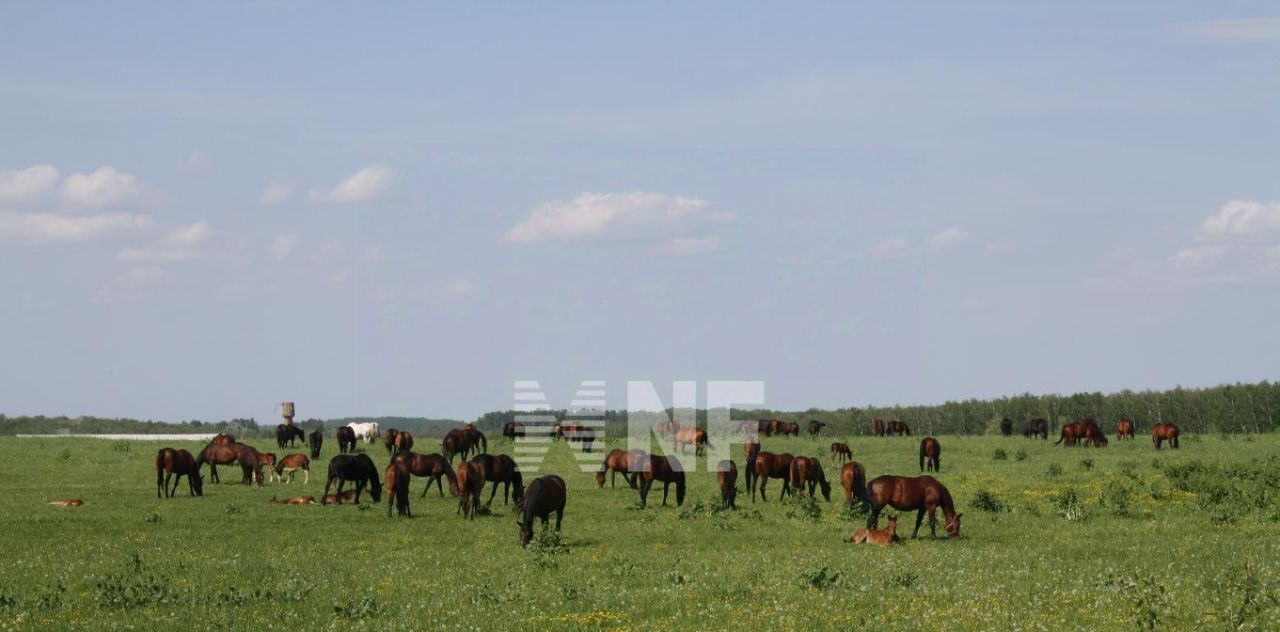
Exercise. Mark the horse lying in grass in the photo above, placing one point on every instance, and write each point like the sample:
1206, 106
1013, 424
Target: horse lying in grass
881, 537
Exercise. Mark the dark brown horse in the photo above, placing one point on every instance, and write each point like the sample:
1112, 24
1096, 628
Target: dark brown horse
1165, 432
786, 428
853, 478
815, 427
397, 482
877, 427
727, 478
807, 471
546, 495
246, 456
346, 439
1037, 427
175, 464
462, 442
222, 439
357, 468
316, 438
665, 469
389, 439
697, 437
768, 465
1125, 429
578, 433
899, 428
767, 427
920, 494
501, 469
470, 484
841, 451
433, 467
403, 441
287, 433
1006, 427
620, 461
511, 430
930, 451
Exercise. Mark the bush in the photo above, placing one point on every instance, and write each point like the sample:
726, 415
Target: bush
1087, 464
1115, 499
365, 608
820, 579
1055, 470
1067, 504
803, 506
999, 455
1020, 455
905, 579
987, 501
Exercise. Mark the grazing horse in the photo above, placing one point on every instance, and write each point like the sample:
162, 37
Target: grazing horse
346, 440
1165, 432
501, 469
268, 462
584, 436
807, 471
930, 451
697, 437
665, 469
403, 442
316, 439
815, 427
357, 468
727, 478
853, 478
546, 495
176, 464
1125, 429
877, 427
433, 467
477, 438
511, 430
766, 427
397, 481
921, 494
751, 448
1037, 427
367, 431
1006, 427
667, 427
462, 441
619, 461
287, 433
842, 451
216, 455
296, 500
786, 428
470, 484
1082, 430
389, 439
899, 428
768, 465
345, 498
880, 537
222, 439
291, 464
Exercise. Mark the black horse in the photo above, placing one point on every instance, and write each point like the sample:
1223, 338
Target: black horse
544, 496
346, 439
317, 440
1037, 427
358, 468
286, 433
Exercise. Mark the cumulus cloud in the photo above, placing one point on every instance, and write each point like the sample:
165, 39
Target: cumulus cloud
39, 228
18, 186
1243, 218
891, 249
102, 188
276, 193
635, 215
283, 246
947, 237
366, 184
689, 246
1252, 30
179, 245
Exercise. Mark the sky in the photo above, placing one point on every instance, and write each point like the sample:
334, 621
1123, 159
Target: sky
405, 209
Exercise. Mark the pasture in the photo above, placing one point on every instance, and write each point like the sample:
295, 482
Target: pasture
1112, 538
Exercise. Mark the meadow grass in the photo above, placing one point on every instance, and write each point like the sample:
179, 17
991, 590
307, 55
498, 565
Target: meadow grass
1134, 539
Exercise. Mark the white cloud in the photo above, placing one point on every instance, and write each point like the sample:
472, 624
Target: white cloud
104, 187
891, 248
1242, 218
283, 246
636, 215
947, 237
366, 184
276, 193
188, 237
27, 185
195, 164
52, 228
689, 246
1235, 30
176, 246
1199, 255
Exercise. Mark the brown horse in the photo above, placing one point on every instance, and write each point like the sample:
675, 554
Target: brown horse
430, 466
767, 427
462, 442
665, 469
268, 462
511, 430
222, 439
342, 498
291, 464
501, 469
176, 464
1037, 427
1125, 429
815, 427
584, 436
216, 455
470, 484
546, 495
880, 537
768, 465
296, 500
921, 494
930, 451
727, 478
1165, 432
841, 451
397, 482
389, 439
67, 502
786, 428
287, 433
620, 461
1082, 430
899, 428
1006, 427
853, 478
667, 427
697, 437
403, 441
807, 471
877, 427
346, 439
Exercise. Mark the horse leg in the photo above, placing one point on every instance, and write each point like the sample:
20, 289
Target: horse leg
177, 478
559, 516
933, 523
492, 492
764, 482
644, 493
919, 519
873, 517
666, 486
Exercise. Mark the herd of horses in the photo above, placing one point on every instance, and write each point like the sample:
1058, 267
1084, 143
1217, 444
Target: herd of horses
547, 495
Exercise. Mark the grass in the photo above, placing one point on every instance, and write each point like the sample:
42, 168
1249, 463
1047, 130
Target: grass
1141, 539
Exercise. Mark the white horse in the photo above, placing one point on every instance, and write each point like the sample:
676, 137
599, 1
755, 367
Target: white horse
367, 431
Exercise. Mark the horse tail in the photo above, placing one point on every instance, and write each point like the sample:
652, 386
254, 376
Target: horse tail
706, 438
922, 451
159, 471
484, 443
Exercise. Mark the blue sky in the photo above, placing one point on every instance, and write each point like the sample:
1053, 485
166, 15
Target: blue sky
205, 210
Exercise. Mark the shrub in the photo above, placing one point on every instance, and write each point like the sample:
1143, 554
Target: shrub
999, 455
1087, 464
820, 579
905, 579
987, 501
365, 608
803, 506
1055, 470
1115, 499
1068, 505
1020, 455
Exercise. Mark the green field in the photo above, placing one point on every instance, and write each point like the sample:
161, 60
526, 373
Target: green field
1175, 539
